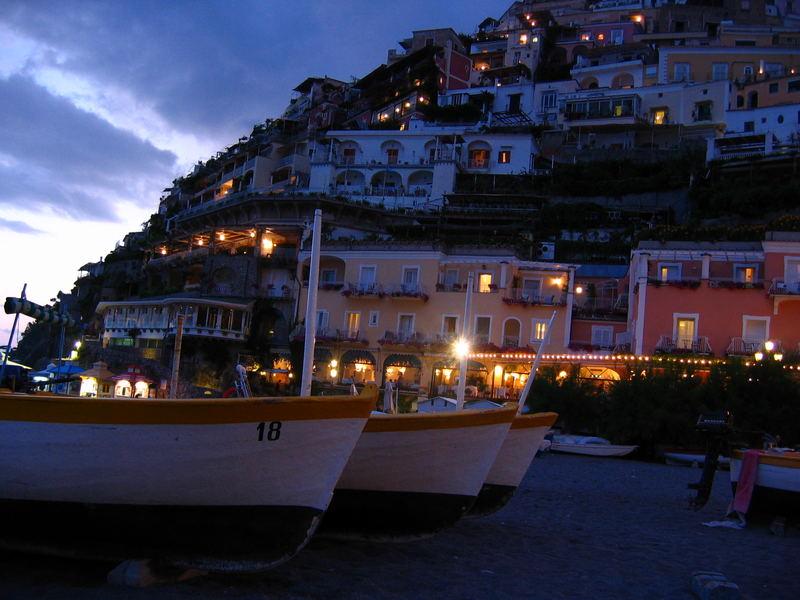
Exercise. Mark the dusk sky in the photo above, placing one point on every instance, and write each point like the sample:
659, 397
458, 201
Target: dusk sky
104, 103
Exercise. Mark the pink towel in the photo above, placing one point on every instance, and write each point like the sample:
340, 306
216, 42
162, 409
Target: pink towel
747, 481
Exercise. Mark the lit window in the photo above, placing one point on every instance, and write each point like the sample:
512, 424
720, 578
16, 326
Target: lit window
485, 283
660, 116
539, 330
601, 36
523, 39
669, 272
586, 36
744, 274
504, 157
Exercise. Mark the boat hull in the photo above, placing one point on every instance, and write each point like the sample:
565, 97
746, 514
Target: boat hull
412, 475
777, 490
512, 462
233, 485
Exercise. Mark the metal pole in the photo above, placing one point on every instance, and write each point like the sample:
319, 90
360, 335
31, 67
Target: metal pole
311, 306
465, 337
176, 357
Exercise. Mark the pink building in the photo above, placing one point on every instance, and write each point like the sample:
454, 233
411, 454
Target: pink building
719, 299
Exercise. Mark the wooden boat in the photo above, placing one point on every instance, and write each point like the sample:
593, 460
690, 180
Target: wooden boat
588, 445
411, 475
516, 454
236, 484
777, 484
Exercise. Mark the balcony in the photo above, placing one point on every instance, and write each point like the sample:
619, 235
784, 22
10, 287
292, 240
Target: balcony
402, 337
363, 290
741, 347
735, 284
340, 335
408, 290
601, 308
669, 345
523, 297
781, 287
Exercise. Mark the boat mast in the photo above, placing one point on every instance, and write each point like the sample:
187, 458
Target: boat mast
311, 306
528, 384
11, 337
464, 344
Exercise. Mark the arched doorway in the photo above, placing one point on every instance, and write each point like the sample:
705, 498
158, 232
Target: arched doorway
446, 376
358, 366
403, 370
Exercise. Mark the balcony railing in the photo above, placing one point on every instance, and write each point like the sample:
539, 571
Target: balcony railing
733, 283
742, 347
602, 308
524, 297
403, 337
366, 290
669, 345
327, 334
781, 287
407, 290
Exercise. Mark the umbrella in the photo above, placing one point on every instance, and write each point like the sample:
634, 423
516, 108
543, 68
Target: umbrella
388, 404
64, 370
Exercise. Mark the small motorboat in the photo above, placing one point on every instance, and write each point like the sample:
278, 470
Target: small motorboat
588, 445
231, 485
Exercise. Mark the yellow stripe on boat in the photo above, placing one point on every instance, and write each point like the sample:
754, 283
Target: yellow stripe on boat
542, 419
785, 459
441, 420
193, 411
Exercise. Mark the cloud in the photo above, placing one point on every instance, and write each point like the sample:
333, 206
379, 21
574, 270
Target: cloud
57, 157
17, 226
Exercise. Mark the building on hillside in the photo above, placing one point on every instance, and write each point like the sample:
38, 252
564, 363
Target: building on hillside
715, 299
600, 309
415, 167
392, 311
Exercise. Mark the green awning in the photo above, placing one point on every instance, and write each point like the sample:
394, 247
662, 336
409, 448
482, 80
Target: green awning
358, 356
403, 360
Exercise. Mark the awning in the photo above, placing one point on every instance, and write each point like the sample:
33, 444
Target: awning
472, 365
322, 355
358, 356
403, 360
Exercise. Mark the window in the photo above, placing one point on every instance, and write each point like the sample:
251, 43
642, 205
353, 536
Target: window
538, 330
322, 321
514, 102
586, 36
702, 111
603, 336
366, 277
682, 72
450, 325
685, 331
531, 288
719, 71
478, 159
373, 318
504, 157
747, 71
617, 36
774, 69
755, 329
749, 125
660, 116
349, 155
774, 88
451, 276
669, 272
483, 327
517, 58
650, 71
351, 322
485, 283
410, 279
327, 275
391, 155
405, 326
745, 273
793, 86
549, 99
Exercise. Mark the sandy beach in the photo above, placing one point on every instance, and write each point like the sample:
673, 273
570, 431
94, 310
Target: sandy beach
579, 528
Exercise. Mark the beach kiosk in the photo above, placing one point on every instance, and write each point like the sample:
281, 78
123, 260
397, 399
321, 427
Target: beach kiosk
97, 381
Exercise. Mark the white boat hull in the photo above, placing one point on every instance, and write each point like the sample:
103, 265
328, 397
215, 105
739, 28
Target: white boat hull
173, 478
513, 461
411, 475
777, 472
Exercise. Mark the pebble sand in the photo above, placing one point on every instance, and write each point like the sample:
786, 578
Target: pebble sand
579, 528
